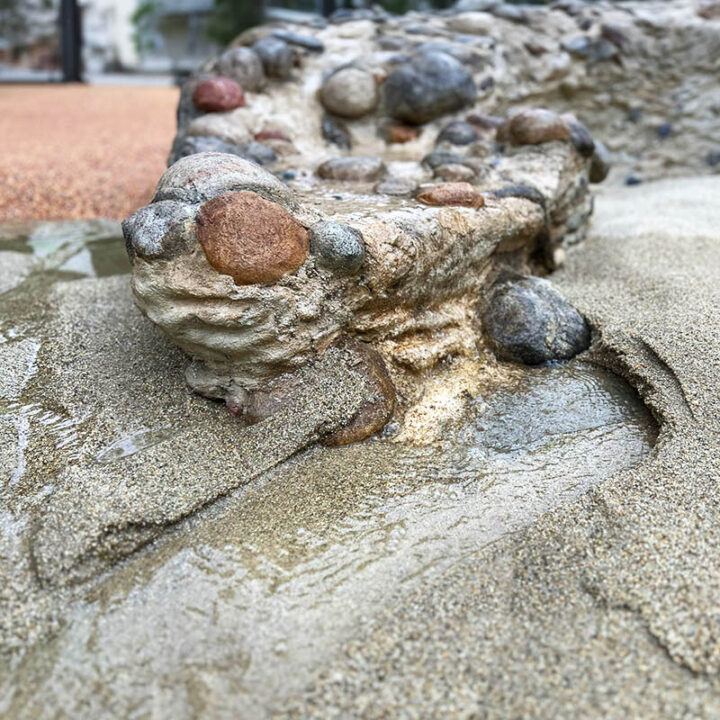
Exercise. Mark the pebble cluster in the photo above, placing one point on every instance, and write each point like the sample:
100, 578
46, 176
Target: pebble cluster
344, 181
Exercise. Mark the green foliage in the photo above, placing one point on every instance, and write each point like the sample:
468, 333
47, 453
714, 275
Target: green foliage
231, 17
143, 19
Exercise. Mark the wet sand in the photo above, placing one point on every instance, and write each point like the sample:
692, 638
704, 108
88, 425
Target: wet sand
78, 151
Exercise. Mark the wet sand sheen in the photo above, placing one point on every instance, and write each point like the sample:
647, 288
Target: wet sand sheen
254, 594
236, 606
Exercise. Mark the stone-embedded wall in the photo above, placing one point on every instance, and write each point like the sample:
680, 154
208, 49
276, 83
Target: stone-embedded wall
395, 180
641, 75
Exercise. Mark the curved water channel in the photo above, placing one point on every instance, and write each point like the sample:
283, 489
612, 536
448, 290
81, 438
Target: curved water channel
236, 607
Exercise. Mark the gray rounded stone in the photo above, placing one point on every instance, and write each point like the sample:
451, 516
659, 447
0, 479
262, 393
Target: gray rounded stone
197, 178
337, 246
352, 169
458, 132
350, 92
158, 230
593, 50
581, 138
430, 85
335, 132
600, 162
436, 158
253, 151
256, 152
308, 42
276, 56
194, 144
244, 66
529, 321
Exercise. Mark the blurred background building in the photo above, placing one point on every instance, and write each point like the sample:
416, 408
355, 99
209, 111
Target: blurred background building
101, 39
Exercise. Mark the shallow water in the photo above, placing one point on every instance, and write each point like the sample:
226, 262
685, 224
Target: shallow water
233, 609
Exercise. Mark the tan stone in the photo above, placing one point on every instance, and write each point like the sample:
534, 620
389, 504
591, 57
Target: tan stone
350, 92
250, 238
536, 126
456, 193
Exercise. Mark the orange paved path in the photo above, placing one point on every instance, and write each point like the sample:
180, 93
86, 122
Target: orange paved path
76, 151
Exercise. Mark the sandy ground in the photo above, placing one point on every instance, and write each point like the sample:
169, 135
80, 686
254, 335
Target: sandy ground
76, 151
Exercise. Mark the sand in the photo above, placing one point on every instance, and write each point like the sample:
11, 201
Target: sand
607, 608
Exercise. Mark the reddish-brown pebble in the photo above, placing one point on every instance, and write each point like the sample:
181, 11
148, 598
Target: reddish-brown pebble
250, 238
397, 133
265, 135
533, 127
218, 94
457, 193
374, 415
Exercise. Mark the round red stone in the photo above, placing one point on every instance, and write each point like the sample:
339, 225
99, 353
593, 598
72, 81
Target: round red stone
250, 238
218, 94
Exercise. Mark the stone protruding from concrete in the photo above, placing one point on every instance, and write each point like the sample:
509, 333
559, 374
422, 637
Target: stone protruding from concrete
427, 87
337, 246
350, 92
276, 57
352, 169
452, 193
250, 238
244, 66
532, 127
197, 178
529, 321
218, 94
160, 230
600, 162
